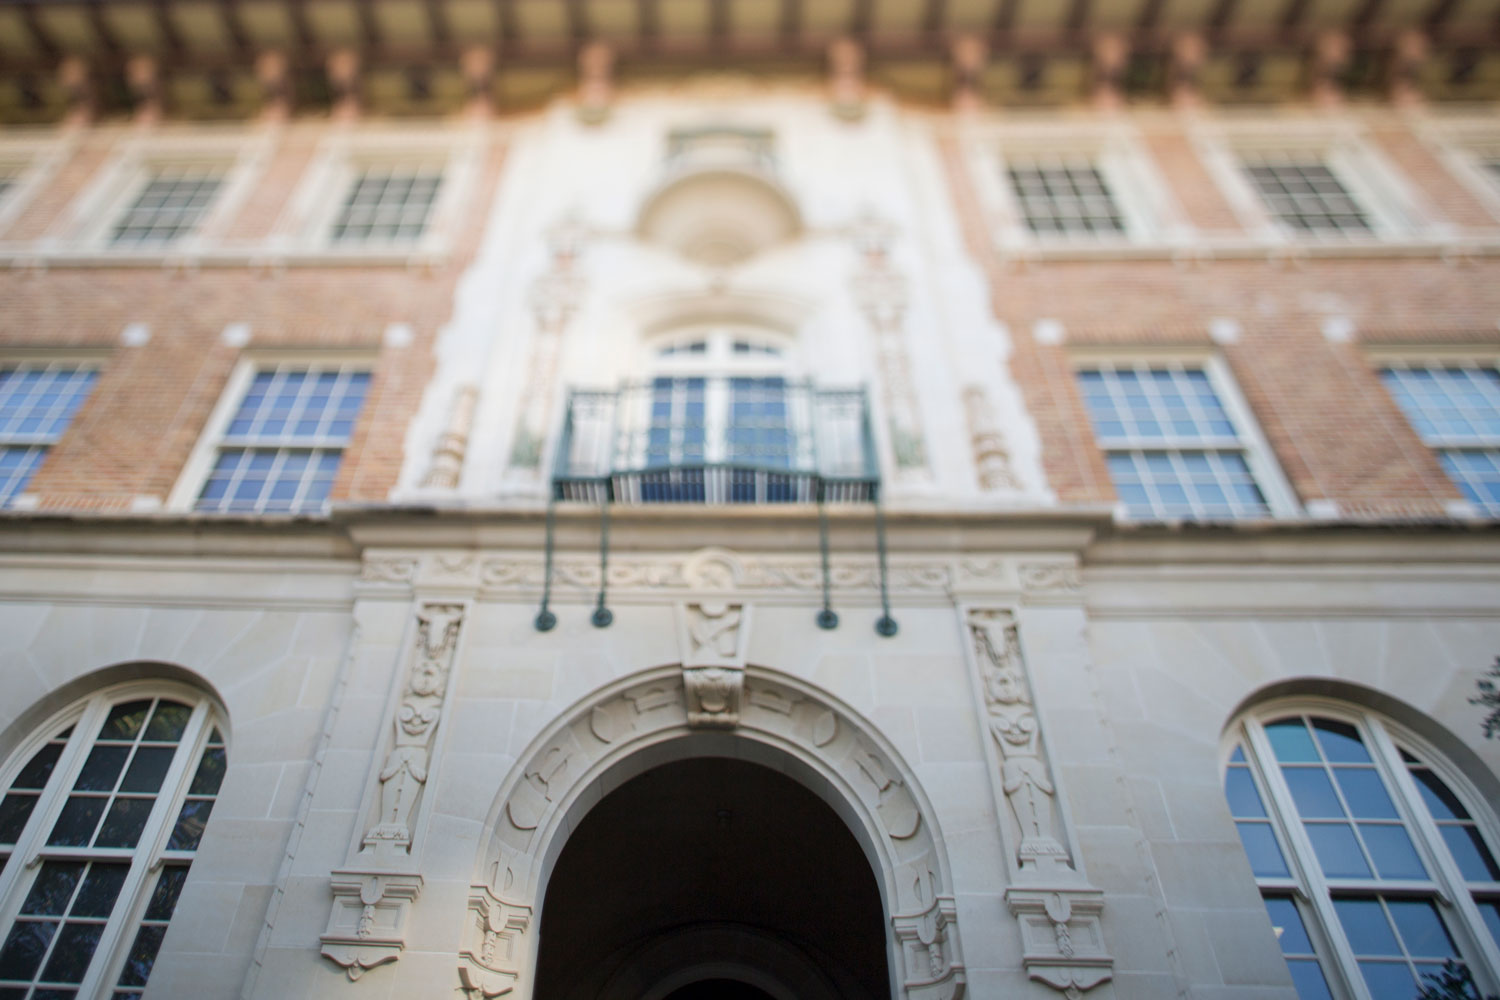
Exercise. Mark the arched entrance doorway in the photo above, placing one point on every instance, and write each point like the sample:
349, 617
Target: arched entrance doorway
641, 724
712, 877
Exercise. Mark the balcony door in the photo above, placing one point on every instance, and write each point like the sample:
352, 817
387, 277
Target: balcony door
721, 421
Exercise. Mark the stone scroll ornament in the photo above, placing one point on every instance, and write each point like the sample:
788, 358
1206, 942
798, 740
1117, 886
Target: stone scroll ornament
712, 636
372, 898
1058, 910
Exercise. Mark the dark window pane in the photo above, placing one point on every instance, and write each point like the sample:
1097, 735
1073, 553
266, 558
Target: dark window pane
1291, 742
142, 955
147, 769
1308, 977
76, 824
1337, 850
1441, 801
1287, 922
123, 826
102, 769
75, 949
125, 721
1313, 793
164, 896
1421, 928
53, 888
1341, 742
167, 724
1261, 848
1389, 980
39, 768
24, 948
1491, 912
1365, 793
15, 810
1392, 851
190, 822
54, 994
100, 889
1365, 924
210, 772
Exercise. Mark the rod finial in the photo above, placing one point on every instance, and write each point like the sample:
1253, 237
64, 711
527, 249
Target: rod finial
545, 621
886, 626
602, 617
827, 619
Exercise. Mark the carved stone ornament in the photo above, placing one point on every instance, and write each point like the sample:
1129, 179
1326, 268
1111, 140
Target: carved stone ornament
713, 636
494, 947
1061, 938
929, 941
649, 710
1058, 910
991, 459
368, 924
403, 775
448, 451
1012, 723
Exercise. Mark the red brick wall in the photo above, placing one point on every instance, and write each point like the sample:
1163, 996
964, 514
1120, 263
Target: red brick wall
1333, 428
150, 404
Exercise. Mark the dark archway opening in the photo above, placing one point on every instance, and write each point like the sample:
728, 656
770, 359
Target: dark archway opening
712, 877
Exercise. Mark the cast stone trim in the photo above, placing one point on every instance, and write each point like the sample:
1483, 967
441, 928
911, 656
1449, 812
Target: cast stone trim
368, 924
1059, 911
713, 636
372, 895
991, 459
448, 451
776, 712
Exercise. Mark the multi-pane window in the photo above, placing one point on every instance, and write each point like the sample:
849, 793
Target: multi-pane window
1172, 448
1374, 870
1456, 410
170, 206
282, 447
387, 204
1303, 194
1060, 195
37, 401
112, 806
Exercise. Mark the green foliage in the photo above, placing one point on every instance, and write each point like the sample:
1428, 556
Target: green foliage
1489, 697
1453, 983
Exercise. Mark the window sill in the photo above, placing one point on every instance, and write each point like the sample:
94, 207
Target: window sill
24, 257
1207, 249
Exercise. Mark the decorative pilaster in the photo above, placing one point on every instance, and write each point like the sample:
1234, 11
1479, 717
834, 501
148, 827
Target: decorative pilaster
713, 636
372, 895
555, 297
880, 290
1059, 911
991, 459
448, 451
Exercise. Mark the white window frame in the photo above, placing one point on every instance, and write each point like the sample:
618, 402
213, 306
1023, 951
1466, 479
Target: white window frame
1390, 205
1264, 469
84, 358
200, 463
307, 222
90, 222
1464, 146
86, 716
33, 162
1313, 891
1441, 357
1150, 213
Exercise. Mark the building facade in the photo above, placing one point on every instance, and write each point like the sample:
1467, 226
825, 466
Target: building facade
800, 500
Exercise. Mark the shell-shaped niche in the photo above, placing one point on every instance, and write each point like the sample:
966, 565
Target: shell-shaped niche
719, 216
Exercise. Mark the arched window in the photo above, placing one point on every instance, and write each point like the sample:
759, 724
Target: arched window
1376, 861
103, 810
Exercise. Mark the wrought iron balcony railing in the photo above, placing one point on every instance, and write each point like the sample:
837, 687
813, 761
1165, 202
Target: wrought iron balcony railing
725, 440
717, 440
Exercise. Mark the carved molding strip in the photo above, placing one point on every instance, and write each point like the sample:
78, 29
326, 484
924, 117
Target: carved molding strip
1059, 912
372, 896
772, 711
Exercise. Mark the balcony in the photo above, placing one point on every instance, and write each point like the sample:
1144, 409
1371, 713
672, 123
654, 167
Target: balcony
717, 440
